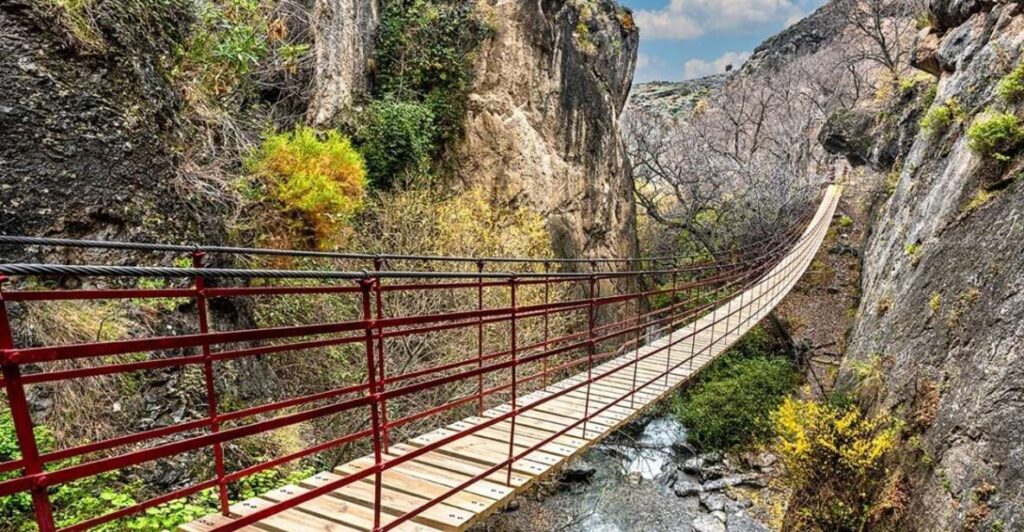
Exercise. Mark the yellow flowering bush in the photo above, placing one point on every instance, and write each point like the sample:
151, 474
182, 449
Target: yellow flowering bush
834, 458
320, 178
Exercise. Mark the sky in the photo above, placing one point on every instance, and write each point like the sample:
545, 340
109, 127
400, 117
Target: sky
686, 39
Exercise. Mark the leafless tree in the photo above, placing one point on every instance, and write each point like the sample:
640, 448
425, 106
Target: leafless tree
885, 31
738, 166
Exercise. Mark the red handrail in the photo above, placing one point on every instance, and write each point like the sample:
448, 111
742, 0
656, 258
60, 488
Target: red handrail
526, 363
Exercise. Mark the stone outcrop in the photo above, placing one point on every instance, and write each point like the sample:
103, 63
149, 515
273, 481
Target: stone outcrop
87, 129
542, 128
343, 33
943, 305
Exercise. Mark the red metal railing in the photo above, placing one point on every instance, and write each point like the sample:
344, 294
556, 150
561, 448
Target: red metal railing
595, 327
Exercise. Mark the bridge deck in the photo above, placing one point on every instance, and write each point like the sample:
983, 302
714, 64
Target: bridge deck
408, 486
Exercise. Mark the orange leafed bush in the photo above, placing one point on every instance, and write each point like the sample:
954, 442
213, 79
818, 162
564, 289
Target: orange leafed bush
320, 178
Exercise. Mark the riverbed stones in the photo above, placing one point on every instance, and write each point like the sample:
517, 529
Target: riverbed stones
686, 488
714, 502
707, 523
741, 522
578, 471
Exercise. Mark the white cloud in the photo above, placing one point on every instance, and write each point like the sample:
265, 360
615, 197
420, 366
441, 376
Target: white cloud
698, 68
653, 68
689, 19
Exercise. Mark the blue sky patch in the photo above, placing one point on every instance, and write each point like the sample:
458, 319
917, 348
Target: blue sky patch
685, 39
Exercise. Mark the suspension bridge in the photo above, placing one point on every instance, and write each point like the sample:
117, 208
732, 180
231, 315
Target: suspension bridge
437, 446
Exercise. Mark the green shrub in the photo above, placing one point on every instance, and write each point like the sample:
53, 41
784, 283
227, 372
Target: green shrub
322, 179
397, 139
845, 222
938, 119
1011, 88
731, 402
834, 459
980, 198
228, 39
996, 134
425, 54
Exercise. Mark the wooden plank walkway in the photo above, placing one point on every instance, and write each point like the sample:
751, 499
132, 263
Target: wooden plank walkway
412, 484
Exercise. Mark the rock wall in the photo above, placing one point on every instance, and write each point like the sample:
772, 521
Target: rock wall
542, 128
87, 128
943, 305
343, 35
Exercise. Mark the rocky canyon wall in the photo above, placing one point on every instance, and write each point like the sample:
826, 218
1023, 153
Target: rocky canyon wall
942, 314
542, 129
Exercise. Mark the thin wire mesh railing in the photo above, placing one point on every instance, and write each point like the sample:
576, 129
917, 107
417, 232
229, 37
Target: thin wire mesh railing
488, 372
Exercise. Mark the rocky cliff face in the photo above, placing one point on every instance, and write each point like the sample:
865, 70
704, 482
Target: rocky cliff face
343, 35
943, 305
87, 126
542, 128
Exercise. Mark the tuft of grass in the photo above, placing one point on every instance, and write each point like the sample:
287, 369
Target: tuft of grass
996, 134
935, 303
75, 16
1011, 87
938, 119
882, 306
913, 251
980, 198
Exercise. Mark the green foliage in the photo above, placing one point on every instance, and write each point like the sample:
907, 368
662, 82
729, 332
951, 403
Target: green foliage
996, 134
834, 457
321, 179
938, 119
74, 15
980, 198
424, 55
912, 249
730, 404
1011, 88
845, 222
935, 303
397, 139
227, 41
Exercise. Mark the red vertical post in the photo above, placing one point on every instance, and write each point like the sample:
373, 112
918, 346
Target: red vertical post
639, 326
371, 376
697, 315
591, 318
515, 389
671, 321
480, 338
381, 367
547, 313
199, 284
23, 420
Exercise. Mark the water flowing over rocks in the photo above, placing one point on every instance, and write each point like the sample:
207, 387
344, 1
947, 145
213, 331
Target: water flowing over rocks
642, 479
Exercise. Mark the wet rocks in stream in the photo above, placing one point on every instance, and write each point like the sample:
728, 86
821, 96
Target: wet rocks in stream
646, 478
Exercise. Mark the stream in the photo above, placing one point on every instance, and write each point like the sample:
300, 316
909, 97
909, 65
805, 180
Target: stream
643, 478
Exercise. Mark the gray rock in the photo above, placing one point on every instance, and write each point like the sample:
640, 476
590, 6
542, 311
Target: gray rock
734, 480
714, 501
693, 465
578, 471
707, 523
720, 515
732, 506
741, 522
686, 488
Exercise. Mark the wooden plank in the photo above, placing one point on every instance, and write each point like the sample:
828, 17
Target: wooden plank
394, 502
459, 465
486, 452
288, 520
210, 522
340, 511
396, 481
